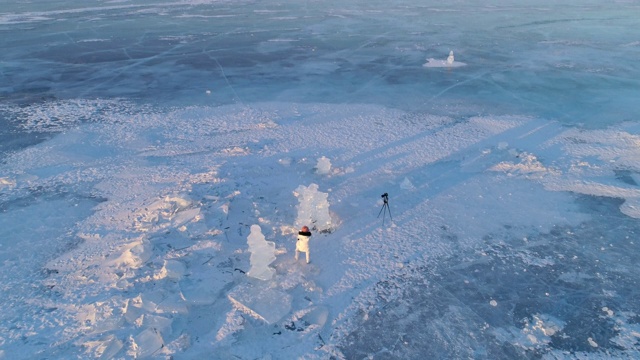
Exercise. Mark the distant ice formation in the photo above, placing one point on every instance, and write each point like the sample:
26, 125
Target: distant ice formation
323, 167
449, 62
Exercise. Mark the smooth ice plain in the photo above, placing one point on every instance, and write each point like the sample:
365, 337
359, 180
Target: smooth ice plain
141, 141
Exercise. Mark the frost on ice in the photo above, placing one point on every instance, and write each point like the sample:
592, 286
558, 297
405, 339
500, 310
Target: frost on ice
263, 253
313, 209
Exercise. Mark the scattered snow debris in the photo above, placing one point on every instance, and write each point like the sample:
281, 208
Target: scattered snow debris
608, 311
323, 167
537, 332
628, 331
237, 151
528, 164
262, 254
493, 303
592, 342
169, 212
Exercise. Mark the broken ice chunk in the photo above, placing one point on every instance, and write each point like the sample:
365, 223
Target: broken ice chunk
261, 302
148, 342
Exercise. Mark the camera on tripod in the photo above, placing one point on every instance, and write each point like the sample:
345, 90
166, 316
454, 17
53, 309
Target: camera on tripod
385, 207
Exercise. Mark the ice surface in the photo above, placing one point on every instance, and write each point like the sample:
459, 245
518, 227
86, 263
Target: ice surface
139, 141
263, 253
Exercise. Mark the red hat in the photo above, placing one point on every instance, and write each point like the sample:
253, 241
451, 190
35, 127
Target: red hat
305, 228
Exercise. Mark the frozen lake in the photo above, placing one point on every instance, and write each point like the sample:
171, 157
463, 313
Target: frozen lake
140, 141
573, 62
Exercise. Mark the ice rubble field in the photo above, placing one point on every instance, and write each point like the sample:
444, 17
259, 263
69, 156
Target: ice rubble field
511, 236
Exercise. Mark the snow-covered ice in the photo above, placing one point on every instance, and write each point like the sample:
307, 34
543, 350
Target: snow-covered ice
158, 158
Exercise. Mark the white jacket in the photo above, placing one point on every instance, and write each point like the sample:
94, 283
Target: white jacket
303, 241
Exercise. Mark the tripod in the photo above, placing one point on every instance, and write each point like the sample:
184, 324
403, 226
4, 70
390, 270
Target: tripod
385, 207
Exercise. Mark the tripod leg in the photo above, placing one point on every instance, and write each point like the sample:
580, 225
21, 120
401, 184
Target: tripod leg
385, 207
381, 211
388, 208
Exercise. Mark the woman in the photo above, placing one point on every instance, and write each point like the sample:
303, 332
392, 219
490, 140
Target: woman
302, 245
